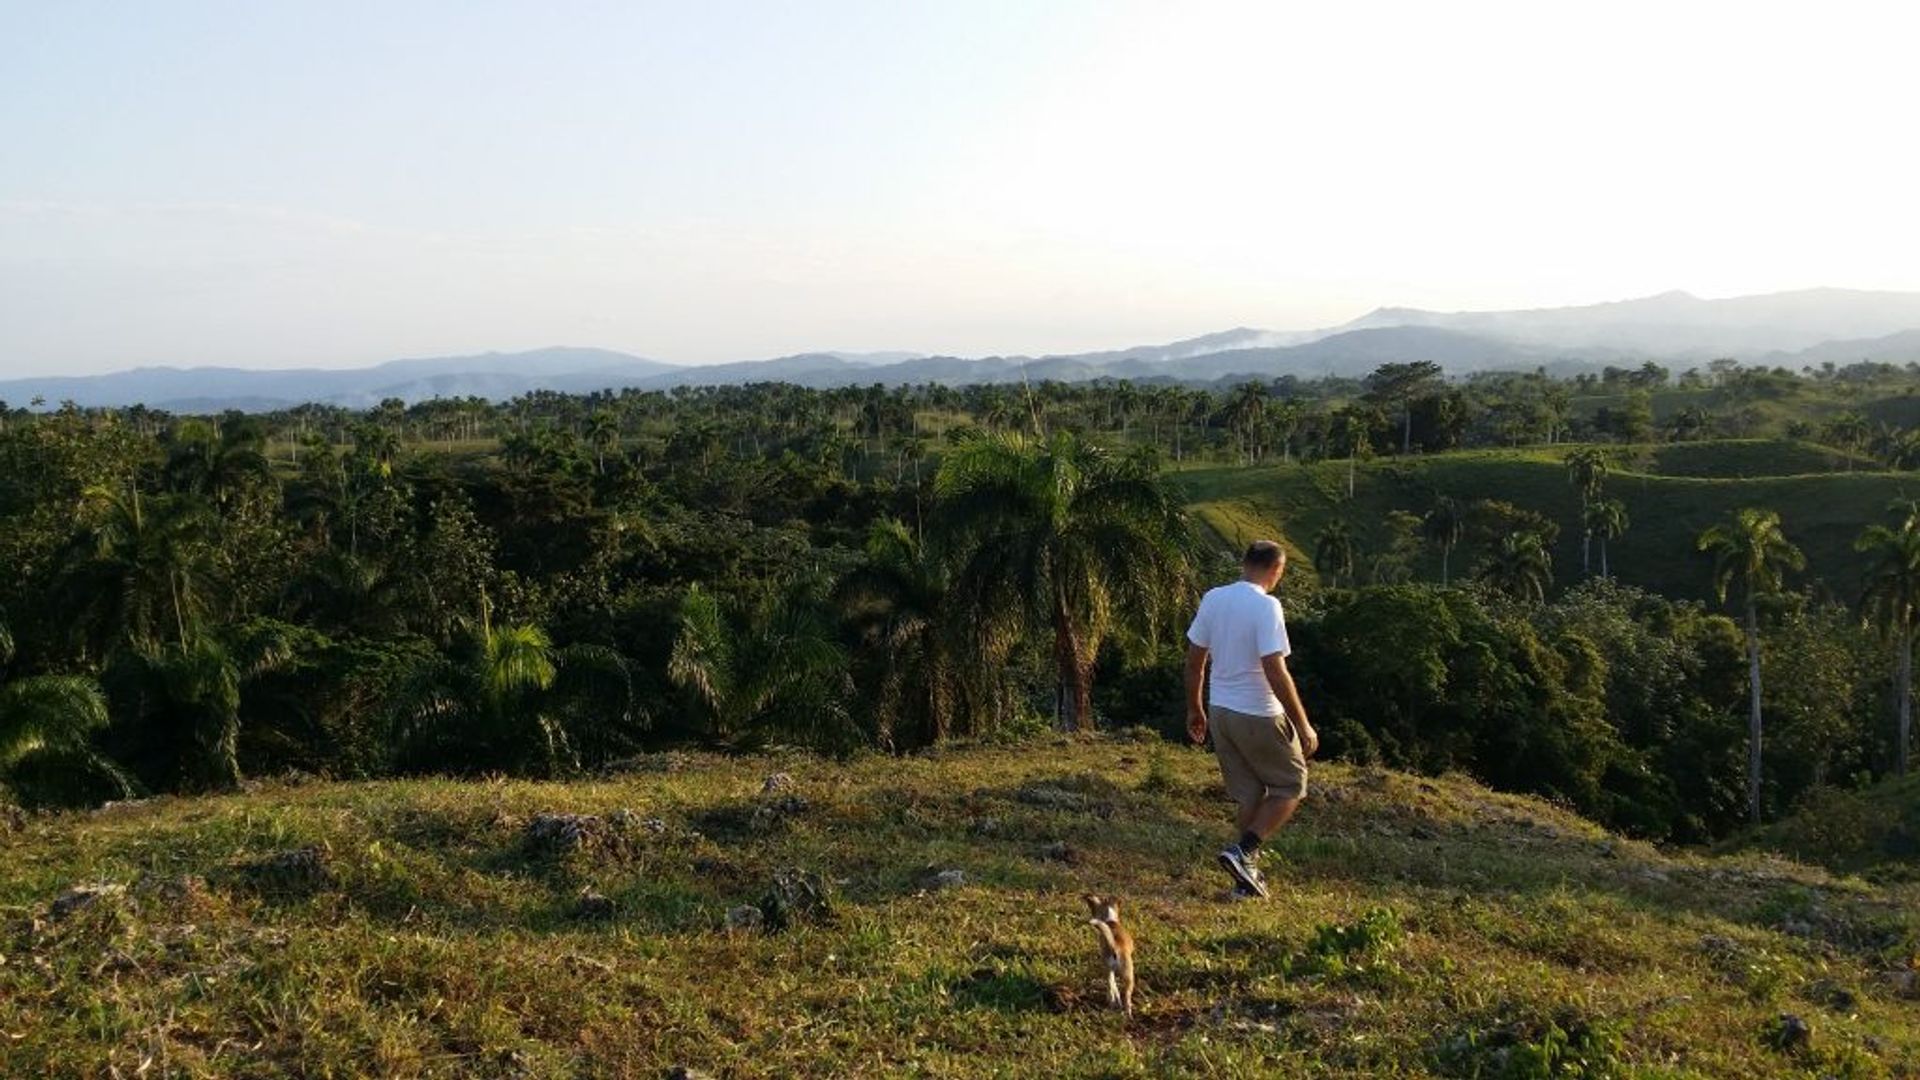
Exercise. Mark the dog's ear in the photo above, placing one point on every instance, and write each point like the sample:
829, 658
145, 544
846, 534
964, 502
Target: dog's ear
1092, 901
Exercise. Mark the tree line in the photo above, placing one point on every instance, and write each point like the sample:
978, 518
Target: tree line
562, 581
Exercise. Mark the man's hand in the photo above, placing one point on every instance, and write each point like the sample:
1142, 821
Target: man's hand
1197, 725
1309, 739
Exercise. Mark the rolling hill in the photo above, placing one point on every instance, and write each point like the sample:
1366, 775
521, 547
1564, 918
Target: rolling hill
1671, 495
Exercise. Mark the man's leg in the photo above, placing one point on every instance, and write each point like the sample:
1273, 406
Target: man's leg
1265, 817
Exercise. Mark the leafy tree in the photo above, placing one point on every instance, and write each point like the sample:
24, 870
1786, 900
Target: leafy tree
1891, 601
1400, 385
1751, 550
1060, 538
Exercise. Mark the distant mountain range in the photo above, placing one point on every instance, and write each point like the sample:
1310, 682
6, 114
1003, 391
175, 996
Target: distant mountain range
1792, 329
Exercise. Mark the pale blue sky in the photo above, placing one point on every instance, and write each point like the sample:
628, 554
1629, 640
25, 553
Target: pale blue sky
277, 183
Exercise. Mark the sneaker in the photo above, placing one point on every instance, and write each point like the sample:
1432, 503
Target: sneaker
1240, 892
1244, 872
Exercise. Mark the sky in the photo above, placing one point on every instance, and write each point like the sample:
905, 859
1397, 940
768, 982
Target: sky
279, 184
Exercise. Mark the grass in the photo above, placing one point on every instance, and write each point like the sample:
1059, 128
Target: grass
1420, 927
1669, 502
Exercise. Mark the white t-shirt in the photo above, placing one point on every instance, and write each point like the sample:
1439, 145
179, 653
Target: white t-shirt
1238, 624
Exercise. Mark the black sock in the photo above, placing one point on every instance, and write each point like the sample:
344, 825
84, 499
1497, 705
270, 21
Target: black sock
1249, 843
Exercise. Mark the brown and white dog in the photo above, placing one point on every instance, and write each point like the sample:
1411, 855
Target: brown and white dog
1116, 947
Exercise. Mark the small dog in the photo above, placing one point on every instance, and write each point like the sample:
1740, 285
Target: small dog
1116, 947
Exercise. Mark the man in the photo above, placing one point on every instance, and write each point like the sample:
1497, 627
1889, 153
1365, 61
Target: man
1260, 729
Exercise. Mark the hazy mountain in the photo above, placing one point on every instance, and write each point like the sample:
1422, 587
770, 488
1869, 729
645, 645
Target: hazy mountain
1679, 326
493, 375
1357, 352
1900, 348
1792, 329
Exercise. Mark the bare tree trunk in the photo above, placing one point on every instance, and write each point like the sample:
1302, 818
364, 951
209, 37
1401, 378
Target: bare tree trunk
1753, 713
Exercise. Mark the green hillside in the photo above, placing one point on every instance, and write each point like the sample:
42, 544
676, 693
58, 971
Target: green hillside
437, 928
1671, 494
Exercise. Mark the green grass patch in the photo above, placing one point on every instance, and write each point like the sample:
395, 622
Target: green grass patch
1418, 926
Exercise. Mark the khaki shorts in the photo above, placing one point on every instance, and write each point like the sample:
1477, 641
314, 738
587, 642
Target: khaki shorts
1260, 756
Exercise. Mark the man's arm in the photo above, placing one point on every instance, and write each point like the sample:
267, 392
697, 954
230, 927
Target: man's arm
1196, 700
1281, 680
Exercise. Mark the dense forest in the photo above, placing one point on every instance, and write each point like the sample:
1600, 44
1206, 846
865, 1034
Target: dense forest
559, 582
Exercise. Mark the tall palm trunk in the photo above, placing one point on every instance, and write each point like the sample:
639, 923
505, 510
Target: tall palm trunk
1753, 713
1603, 558
1446, 556
1074, 696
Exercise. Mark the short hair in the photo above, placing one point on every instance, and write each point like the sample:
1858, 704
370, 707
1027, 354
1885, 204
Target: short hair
1263, 555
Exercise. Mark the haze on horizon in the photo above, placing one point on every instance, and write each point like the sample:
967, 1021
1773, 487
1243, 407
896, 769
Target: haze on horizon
345, 183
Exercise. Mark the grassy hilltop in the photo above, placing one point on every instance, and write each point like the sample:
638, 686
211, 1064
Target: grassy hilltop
1671, 494
438, 928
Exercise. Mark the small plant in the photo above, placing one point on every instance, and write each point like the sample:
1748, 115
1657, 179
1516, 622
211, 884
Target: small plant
1565, 1044
1159, 779
1359, 949
1376, 932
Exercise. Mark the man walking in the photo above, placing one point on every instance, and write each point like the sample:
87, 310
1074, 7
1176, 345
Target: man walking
1260, 729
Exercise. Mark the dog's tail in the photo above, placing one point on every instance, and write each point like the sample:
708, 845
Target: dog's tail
1106, 934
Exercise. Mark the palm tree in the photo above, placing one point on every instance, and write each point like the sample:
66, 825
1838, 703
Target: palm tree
190, 691
1892, 602
895, 600
1353, 432
507, 698
216, 463
1520, 566
46, 723
1444, 525
1752, 549
603, 433
1587, 472
1247, 412
1606, 519
142, 565
745, 662
1849, 432
1333, 551
1060, 537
